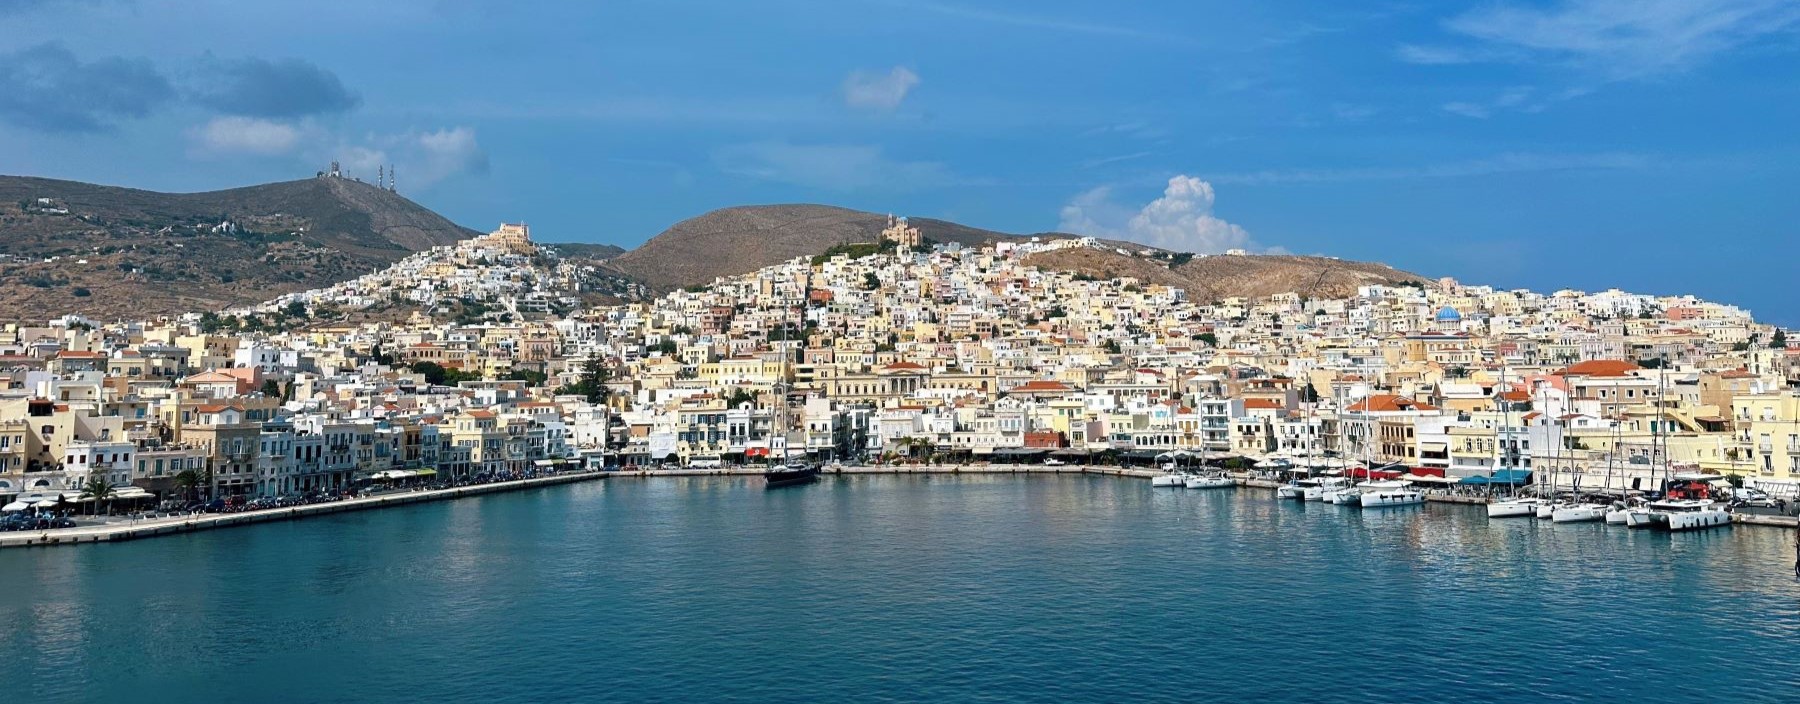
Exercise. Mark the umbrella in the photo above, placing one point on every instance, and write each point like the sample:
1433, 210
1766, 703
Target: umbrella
46, 503
15, 506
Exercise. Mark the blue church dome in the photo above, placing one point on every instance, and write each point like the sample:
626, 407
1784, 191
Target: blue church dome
1447, 314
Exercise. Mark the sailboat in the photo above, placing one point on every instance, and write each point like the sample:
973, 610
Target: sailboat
1579, 511
1517, 506
788, 473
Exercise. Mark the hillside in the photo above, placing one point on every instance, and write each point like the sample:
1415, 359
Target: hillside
1217, 277
586, 250
732, 241
110, 252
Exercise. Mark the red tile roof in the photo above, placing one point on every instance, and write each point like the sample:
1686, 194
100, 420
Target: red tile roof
1600, 367
1379, 403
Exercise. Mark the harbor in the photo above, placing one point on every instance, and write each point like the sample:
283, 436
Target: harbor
116, 530
944, 586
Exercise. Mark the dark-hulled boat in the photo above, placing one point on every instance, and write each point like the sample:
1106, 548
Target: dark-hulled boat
791, 475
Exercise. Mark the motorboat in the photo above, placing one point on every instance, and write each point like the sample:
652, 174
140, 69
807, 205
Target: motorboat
790, 475
1385, 494
1678, 514
1210, 480
1513, 508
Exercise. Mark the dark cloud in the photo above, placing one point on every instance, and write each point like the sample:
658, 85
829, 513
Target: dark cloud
46, 87
264, 88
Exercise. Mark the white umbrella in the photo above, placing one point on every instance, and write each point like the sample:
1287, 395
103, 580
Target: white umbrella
15, 506
46, 503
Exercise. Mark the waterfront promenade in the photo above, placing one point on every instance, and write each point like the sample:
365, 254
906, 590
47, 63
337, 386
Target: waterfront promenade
118, 530
131, 530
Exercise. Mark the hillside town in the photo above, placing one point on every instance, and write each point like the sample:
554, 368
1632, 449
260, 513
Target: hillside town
894, 351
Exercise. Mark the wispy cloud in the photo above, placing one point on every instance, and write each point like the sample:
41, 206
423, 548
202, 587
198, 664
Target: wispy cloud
884, 91
1500, 164
1026, 20
1612, 39
232, 134
836, 167
1103, 161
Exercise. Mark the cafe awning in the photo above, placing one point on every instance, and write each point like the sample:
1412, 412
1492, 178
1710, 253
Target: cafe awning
1511, 476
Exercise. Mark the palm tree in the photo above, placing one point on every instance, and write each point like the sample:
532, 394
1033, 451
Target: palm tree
190, 480
100, 489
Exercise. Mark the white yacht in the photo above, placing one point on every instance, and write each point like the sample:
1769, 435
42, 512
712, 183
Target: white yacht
1678, 514
1616, 513
1384, 494
1296, 489
1578, 512
1325, 484
1169, 478
1547, 509
1527, 506
1210, 480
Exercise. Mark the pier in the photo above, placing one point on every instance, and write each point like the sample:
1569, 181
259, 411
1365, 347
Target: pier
132, 530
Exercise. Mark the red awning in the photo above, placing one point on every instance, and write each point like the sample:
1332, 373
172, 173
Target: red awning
1364, 473
1428, 471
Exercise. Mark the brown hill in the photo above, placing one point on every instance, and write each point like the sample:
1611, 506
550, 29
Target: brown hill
110, 252
733, 241
1211, 278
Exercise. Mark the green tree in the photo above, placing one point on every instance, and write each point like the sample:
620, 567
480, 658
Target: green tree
271, 388
1110, 346
1309, 394
1778, 341
433, 372
100, 490
871, 281
1210, 339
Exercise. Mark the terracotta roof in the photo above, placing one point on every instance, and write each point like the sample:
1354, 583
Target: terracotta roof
1263, 403
1600, 367
1389, 402
1042, 385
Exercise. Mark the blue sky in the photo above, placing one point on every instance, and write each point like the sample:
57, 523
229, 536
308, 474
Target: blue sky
1644, 144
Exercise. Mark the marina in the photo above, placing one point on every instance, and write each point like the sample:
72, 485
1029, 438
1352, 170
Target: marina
1676, 514
911, 586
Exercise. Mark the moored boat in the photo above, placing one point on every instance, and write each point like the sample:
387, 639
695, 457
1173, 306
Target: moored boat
790, 475
1170, 479
1514, 508
1296, 489
1385, 494
1678, 515
1578, 513
1211, 480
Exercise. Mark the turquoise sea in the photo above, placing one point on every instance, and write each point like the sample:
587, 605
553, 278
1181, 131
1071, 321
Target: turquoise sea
905, 589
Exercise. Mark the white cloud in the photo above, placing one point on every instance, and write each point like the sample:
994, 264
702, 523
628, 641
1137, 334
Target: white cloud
246, 135
879, 91
837, 167
1615, 39
1181, 220
420, 159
